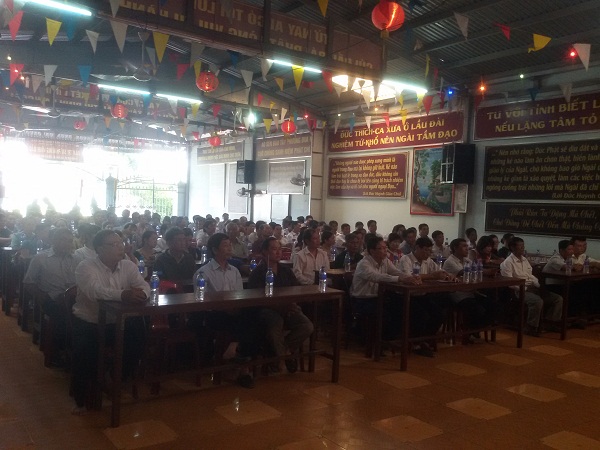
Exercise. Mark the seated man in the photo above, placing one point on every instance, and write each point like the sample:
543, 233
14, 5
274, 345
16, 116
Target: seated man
175, 264
427, 314
108, 276
286, 328
263, 231
516, 265
86, 232
410, 236
439, 246
238, 247
352, 248
310, 259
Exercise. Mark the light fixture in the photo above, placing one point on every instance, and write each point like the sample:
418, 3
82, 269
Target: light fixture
572, 53
9, 57
482, 88
450, 92
62, 7
521, 76
251, 118
289, 64
123, 89
176, 97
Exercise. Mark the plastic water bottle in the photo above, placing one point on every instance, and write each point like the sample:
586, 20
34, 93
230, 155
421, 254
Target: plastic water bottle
479, 271
200, 288
322, 279
269, 279
347, 262
474, 272
438, 261
416, 269
569, 266
154, 282
467, 273
142, 267
203, 254
538, 257
586, 265
252, 264
396, 261
332, 253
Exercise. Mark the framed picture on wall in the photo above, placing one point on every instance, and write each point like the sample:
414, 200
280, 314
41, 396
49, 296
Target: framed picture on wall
428, 195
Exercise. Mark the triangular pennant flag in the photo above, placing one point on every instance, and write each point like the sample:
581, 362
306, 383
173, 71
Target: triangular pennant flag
275, 120
182, 112
404, 115
235, 57
15, 24
336, 124
368, 121
418, 44
122, 124
53, 26
247, 122
298, 72
386, 117
351, 122
283, 113
442, 99
15, 71
151, 56
94, 91
107, 120
247, 76
323, 6
478, 99
120, 32
10, 4
259, 98
583, 51
181, 68
36, 80
173, 103
197, 68
93, 37
539, 42
400, 98
195, 108
70, 26
20, 90
279, 82
312, 123
146, 98
427, 60
566, 90
112, 99
505, 30
427, 100
49, 73
265, 66
214, 68
463, 24
351, 81
215, 109
196, 135
196, 52
533, 92
114, 7
271, 104
327, 77
420, 96
84, 74
338, 89
366, 93
376, 86
183, 130
160, 44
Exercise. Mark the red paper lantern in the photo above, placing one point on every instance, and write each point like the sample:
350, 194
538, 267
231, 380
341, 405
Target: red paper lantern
207, 81
288, 127
387, 16
119, 111
215, 141
79, 125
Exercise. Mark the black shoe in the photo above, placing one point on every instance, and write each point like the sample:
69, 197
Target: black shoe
530, 331
246, 381
424, 350
291, 365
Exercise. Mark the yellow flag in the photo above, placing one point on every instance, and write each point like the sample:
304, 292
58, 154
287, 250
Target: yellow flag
107, 120
267, 123
122, 124
53, 26
420, 100
426, 65
271, 104
539, 42
404, 115
183, 130
298, 73
323, 6
197, 68
160, 44
401, 100
195, 108
279, 82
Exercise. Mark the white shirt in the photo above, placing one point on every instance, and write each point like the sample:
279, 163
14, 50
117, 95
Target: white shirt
581, 258
453, 265
556, 262
444, 250
305, 265
219, 279
518, 268
83, 253
340, 240
95, 281
407, 262
369, 274
51, 273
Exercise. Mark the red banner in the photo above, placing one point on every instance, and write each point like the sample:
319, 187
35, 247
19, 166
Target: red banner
542, 117
368, 176
424, 130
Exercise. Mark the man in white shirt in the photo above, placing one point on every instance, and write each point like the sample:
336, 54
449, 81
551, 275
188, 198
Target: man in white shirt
310, 259
86, 232
239, 248
439, 247
106, 277
340, 238
516, 265
579, 253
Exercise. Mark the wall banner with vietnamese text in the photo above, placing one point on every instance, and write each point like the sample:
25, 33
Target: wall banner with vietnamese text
230, 152
55, 150
546, 219
416, 131
550, 171
382, 175
533, 118
284, 146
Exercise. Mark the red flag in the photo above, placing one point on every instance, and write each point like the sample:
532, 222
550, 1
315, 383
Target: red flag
182, 112
196, 135
427, 103
312, 123
327, 76
505, 29
442, 99
386, 116
136, 142
259, 98
308, 84
181, 68
15, 71
173, 57
10, 4
94, 91
216, 108
15, 24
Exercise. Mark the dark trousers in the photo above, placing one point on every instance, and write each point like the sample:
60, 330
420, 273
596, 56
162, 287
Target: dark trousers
478, 312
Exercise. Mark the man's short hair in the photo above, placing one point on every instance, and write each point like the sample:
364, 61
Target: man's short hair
423, 225
345, 225
506, 237
563, 244
372, 242
423, 242
359, 224
394, 237
187, 232
214, 242
172, 233
333, 223
265, 244
300, 219
468, 231
408, 231
101, 237
578, 238
230, 226
308, 234
351, 236
208, 223
455, 243
436, 233
371, 222
514, 241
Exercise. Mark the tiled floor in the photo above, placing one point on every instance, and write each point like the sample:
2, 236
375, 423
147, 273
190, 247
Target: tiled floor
484, 396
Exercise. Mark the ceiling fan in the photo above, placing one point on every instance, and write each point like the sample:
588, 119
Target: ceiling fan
140, 73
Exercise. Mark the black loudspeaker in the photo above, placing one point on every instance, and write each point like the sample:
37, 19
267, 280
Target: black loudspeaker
245, 172
460, 160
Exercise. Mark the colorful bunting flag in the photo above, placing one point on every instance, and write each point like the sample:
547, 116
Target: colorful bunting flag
215, 109
442, 99
533, 92
120, 32
298, 72
505, 30
566, 90
463, 24
49, 73
196, 52
36, 81
107, 120
181, 68
427, 100
327, 77
366, 93
182, 112
235, 57
539, 42
84, 74
338, 90
283, 113
53, 26
114, 7
368, 121
259, 98
15, 24
160, 44
336, 124
151, 56
323, 6
195, 108
351, 122
583, 51
93, 37
386, 117
196, 135
197, 69
267, 123
247, 76
70, 26
265, 66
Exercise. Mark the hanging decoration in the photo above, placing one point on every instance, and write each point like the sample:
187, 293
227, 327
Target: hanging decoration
207, 81
288, 127
214, 141
387, 16
119, 111
80, 125
539, 42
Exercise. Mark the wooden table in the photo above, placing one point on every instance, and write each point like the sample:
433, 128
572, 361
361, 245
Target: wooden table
567, 280
213, 301
432, 287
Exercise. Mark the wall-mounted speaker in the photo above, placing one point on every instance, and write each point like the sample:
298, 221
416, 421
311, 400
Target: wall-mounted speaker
458, 163
245, 172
